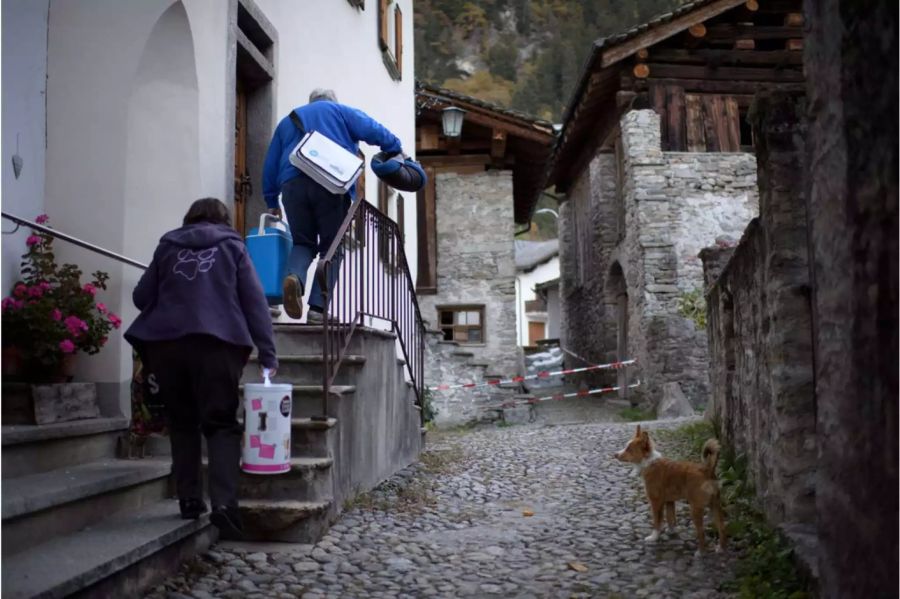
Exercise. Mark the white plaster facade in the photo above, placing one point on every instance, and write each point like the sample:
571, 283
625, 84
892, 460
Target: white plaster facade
525, 284
136, 101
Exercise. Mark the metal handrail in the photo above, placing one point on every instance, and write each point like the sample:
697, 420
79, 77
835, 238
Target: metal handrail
65, 237
365, 273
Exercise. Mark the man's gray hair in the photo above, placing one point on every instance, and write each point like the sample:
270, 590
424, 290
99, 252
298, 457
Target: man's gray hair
322, 94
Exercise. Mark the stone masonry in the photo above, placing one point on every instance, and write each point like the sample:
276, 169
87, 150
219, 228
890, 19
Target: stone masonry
629, 250
760, 330
476, 262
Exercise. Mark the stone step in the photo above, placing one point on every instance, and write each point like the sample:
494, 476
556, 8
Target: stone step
312, 438
304, 369
309, 479
30, 449
285, 520
307, 399
119, 557
292, 339
38, 507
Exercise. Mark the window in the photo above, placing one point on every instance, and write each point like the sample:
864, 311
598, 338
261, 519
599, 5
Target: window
390, 36
463, 324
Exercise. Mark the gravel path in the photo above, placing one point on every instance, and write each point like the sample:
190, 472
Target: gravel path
524, 511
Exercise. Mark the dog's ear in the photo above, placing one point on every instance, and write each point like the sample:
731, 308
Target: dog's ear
637, 433
645, 437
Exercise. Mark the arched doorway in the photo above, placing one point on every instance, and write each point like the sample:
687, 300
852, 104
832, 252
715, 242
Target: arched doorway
617, 300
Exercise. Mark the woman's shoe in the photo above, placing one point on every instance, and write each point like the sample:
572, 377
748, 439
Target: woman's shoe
192, 508
228, 521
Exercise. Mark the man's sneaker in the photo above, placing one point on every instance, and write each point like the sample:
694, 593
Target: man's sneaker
293, 296
192, 508
228, 521
314, 317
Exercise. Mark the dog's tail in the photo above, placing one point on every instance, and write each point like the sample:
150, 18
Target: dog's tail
710, 457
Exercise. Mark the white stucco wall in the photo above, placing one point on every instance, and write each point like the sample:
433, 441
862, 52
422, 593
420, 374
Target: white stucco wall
24, 83
334, 45
525, 283
136, 131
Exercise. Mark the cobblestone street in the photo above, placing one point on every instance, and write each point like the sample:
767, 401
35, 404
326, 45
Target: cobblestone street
522, 511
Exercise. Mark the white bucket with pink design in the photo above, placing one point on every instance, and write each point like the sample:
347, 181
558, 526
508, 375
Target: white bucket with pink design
267, 428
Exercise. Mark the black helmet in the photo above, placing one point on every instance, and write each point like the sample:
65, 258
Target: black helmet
398, 171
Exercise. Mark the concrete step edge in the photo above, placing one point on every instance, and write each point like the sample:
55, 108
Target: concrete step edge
19, 434
317, 389
67, 564
25, 495
353, 359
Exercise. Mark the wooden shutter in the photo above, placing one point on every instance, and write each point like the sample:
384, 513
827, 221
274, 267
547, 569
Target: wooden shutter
398, 40
713, 123
383, 24
361, 182
426, 282
383, 197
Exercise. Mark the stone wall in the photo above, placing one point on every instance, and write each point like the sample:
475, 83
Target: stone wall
447, 363
851, 187
672, 204
476, 261
760, 329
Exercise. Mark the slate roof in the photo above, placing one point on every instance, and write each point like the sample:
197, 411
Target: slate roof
533, 253
516, 114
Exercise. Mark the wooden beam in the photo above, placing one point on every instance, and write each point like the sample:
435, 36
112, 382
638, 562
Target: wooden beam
669, 71
711, 56
429, 138
454, 161
697, 30
641, 71
730, 31
498, 143
793, 45
666, 30
707, 86
514, 130
744, 44
642, 54
562, 175
793, 19
752, 5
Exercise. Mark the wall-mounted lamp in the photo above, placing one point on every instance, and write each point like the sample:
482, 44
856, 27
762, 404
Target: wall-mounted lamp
452, 121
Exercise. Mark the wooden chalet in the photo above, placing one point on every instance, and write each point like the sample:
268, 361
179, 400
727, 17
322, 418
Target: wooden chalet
697, 67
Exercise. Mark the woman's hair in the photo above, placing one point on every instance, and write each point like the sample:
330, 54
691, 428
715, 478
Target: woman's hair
207, 210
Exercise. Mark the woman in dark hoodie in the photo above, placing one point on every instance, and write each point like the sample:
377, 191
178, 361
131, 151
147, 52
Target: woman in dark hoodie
202, 309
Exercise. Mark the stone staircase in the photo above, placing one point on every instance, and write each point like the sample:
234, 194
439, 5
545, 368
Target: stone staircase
77, 521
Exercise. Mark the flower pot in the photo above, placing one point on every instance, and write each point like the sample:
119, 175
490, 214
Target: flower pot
65, 370
12, 361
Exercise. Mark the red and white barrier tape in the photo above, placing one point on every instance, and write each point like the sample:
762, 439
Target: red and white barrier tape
529, 377
558, 396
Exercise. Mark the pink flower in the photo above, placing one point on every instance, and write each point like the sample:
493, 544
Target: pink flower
19, 304
8, 303
102, 307
103, 341
115, 320
41, 219
44, 285
36, 291
56, 314
90, 289
75, 325
32, 240
67, 346
20, 290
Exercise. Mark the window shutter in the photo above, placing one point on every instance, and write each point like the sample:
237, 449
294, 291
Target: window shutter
426, 282
398, 39
401, 218
383, 24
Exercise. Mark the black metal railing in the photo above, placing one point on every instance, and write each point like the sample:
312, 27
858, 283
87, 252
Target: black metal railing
365, 280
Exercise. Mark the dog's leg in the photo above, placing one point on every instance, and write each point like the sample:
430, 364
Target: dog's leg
670, 516
656, 509
720, 522
697, 517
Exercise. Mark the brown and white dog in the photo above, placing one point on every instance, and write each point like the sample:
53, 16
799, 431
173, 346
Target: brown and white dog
667, 481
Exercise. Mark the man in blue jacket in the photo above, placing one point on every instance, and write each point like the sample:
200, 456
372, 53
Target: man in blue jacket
314, 213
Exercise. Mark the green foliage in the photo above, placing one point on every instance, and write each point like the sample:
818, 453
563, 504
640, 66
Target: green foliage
766, 569
428, 409
538, 45
50, 314
692, 304
484, 86
632, 414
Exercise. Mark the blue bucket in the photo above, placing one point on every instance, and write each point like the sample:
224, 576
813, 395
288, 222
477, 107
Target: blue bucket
269, 252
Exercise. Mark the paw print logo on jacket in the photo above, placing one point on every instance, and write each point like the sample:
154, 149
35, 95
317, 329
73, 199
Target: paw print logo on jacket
191, 263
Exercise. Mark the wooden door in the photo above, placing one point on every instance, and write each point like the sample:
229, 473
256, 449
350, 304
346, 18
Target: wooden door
536, 332
242, 186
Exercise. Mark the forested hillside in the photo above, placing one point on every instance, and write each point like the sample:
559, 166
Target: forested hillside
523, 54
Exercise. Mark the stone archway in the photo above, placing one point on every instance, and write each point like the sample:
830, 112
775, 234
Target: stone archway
616, 293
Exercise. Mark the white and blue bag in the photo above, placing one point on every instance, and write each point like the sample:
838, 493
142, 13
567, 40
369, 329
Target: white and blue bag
324, 161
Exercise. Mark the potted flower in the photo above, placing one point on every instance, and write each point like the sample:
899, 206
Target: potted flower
50, 315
